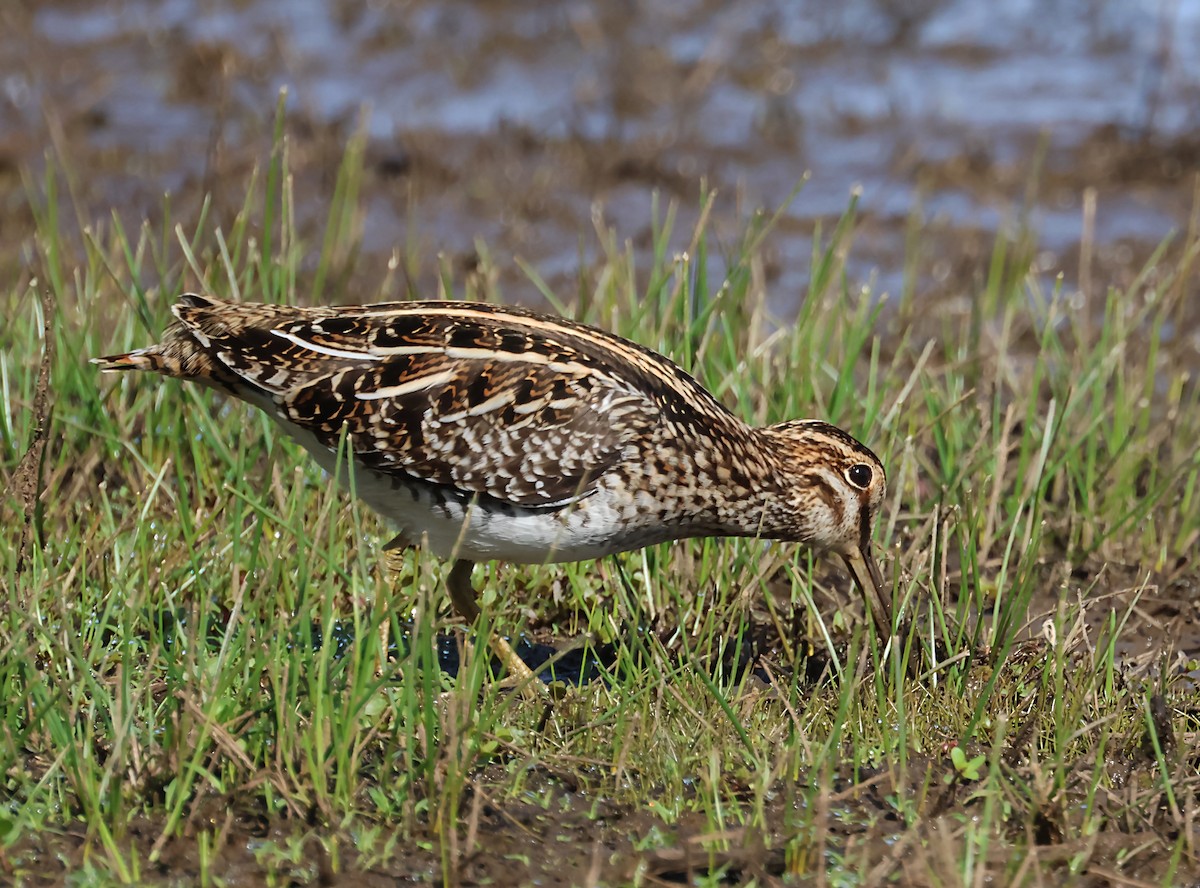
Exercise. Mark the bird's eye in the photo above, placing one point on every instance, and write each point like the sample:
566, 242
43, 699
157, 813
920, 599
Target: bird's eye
860, 475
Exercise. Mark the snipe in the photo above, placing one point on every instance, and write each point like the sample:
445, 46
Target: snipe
487, 432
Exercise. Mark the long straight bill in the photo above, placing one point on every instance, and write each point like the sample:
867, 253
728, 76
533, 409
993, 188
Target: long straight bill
866, 573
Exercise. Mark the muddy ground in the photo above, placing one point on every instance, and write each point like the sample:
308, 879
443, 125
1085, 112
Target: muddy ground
505, 844
526, 126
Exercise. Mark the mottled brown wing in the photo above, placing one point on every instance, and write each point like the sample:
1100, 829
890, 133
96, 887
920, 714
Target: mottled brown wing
481, 410
521, 433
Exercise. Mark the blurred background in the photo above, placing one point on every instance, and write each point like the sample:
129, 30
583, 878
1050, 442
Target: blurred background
1072, 126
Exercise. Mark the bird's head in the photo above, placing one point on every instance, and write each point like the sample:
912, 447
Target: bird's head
833, 487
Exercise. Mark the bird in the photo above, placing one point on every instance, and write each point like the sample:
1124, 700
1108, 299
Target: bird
495, 433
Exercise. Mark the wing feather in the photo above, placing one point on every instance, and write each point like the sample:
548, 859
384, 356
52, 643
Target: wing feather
483, 409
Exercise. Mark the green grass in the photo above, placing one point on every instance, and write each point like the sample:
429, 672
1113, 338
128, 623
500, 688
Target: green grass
194, 619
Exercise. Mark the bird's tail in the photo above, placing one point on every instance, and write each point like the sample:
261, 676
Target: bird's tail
184, 350
140, 359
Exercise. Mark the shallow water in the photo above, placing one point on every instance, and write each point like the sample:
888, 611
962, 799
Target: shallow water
512, 121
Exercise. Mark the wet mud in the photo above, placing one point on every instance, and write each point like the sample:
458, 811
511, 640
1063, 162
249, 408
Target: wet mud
566, 835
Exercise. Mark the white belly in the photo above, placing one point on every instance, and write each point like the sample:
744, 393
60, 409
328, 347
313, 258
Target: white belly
451, 529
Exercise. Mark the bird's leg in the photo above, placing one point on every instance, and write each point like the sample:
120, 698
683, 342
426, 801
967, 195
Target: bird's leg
462, 596
395, 563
